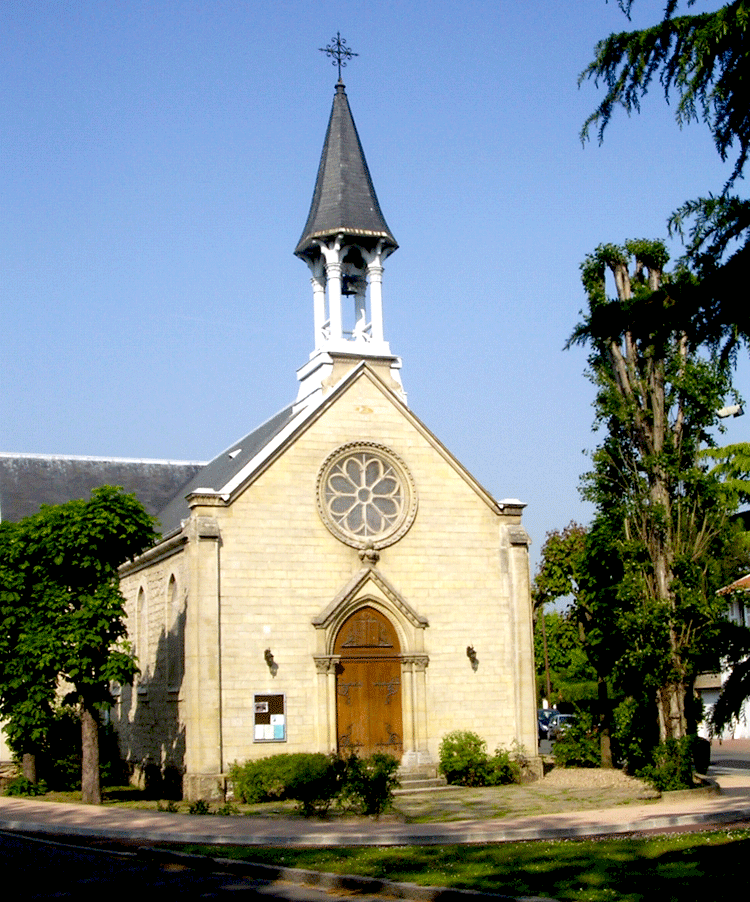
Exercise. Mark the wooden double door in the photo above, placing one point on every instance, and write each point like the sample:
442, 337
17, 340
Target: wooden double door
368, 685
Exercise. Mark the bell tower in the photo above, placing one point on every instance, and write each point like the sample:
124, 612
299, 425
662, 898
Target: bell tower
345, 242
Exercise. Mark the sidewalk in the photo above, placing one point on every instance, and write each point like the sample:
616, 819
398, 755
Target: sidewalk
674, 810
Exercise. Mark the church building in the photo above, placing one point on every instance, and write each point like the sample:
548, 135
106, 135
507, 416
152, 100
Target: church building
335, 580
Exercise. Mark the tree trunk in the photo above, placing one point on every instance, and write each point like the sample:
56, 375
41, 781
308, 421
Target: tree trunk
546, 660
91, 792
671, 705
605, 733
28, 766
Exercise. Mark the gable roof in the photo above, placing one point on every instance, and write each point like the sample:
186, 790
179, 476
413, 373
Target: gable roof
344, 199
231, 471
27, 481
215, 475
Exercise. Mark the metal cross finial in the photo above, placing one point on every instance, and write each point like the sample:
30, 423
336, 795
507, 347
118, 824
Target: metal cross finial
338, 49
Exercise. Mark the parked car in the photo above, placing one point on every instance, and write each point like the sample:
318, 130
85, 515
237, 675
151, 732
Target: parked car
558, 724
543, 716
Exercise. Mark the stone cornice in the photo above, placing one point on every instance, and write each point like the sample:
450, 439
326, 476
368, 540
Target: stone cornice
166, 548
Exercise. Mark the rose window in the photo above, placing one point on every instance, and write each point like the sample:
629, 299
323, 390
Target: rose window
366, 496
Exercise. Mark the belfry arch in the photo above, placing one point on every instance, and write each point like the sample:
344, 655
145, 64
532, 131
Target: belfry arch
371, 635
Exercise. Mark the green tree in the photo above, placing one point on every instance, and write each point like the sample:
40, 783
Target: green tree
556, 578
703, 59
663, 523
28, 658
732, 466
572, 678
572, 566
62, 602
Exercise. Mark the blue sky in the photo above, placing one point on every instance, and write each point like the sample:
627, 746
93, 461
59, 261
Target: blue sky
157, 164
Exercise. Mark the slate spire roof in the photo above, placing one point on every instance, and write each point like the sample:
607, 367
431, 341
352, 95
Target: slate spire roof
344, 199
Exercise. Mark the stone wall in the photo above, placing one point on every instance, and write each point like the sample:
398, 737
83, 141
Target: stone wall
263, 572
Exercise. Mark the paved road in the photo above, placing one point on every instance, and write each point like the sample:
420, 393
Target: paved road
47, 870
730, 757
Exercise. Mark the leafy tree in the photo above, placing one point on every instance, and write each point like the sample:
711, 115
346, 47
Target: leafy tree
560, 658
704, 60
732, 467
663, 522
572, 678
573, 564
736, 689
28, 665
559, 571
62, 604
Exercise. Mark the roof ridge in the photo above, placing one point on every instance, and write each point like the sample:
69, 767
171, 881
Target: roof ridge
101, 459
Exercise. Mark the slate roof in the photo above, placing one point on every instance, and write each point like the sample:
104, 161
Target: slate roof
344, 199
222, 469
29, 480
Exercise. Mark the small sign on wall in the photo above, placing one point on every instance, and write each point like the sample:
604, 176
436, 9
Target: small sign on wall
270, 718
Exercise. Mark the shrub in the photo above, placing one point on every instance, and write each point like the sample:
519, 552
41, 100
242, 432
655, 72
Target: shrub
226, 810
316, 781
199, 806
368, 783
464, 761
312, 779
579, 745
463, 758
633, 735
59, 760
672, 766
503, 768
263, 780
20, 786
170, 807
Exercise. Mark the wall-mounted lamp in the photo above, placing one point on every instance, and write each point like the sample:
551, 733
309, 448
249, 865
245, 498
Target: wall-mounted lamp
272, 665
472, 656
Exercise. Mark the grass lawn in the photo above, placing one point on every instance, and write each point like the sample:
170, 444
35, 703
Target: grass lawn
689, 866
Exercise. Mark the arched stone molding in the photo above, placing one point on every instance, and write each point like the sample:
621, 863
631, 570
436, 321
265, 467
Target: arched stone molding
369, 588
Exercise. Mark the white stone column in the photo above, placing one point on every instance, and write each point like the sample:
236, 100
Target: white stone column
319, 301
333, 277
333, 741
375, 275
407, 701
326, 669
420, 680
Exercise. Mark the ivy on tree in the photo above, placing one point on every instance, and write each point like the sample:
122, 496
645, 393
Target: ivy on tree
63, 615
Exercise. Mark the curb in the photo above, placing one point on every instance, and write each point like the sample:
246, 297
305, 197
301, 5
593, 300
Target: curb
456, 836
345, 883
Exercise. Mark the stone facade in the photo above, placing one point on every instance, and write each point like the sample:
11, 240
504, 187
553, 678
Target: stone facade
336, 580
259, 588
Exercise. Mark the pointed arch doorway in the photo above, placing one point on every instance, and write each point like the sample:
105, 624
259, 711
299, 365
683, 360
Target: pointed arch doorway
368, 685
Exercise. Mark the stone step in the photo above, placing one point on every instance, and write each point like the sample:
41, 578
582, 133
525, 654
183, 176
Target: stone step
420, 784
